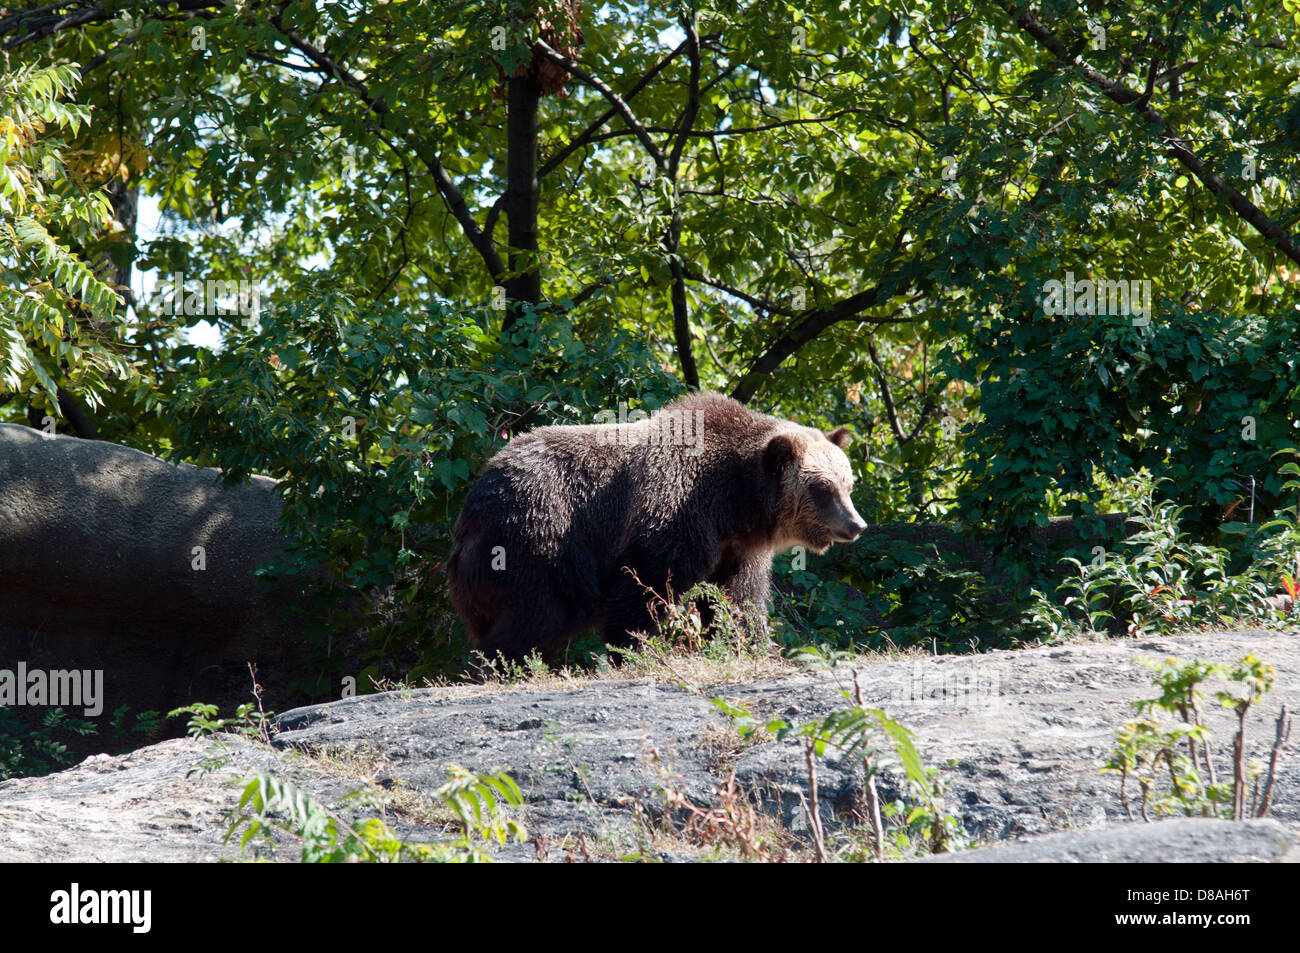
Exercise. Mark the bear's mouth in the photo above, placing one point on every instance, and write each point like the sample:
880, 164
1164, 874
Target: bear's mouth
819, 539
847, 531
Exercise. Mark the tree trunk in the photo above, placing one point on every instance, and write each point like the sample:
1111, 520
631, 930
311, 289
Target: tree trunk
525, 283
681, 310
126, 202
76, 414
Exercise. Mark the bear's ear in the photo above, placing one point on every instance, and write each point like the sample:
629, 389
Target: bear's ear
839, 436
780, 452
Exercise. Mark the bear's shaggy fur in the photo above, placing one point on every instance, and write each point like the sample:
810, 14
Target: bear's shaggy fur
564, 521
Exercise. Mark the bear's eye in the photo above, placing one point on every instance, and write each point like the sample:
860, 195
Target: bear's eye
822, 494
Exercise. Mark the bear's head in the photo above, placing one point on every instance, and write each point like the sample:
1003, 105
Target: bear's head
815, 480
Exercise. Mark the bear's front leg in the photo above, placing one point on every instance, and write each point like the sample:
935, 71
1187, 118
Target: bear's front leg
646, 582
629, 607
747, 580
625, 620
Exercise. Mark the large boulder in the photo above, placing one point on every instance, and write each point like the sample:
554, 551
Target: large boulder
114, 560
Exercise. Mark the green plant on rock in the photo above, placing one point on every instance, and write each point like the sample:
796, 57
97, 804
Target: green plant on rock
144, 723
503, 671
1084, 608
703, 620
869, 737
34, 751
1161, 578
270, 804
249, 721
1173, 764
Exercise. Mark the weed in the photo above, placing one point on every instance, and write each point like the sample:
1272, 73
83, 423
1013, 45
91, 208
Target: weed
1173, 765
270, 805
1162, 579
32, 752
870, 737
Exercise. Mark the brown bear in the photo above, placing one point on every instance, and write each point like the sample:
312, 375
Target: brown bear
568, 525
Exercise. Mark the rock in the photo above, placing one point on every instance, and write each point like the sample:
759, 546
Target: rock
1018, 737
140, 806
96, 572
1175, 841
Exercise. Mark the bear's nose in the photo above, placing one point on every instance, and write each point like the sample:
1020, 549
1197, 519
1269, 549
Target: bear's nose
853, 524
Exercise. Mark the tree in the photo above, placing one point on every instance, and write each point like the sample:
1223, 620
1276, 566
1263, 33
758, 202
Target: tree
59, 311
801, 172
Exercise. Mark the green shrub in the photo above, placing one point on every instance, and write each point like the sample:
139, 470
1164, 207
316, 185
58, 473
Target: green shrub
1171, 761
1161, 578
869, 737
1201, 400
27, 751
270, 804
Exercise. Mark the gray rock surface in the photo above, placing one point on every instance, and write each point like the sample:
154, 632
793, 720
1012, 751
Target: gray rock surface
96, 551
1174, 841
142, 806
1018, 736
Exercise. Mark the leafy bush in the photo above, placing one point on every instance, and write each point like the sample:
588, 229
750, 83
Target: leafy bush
144, 723
34, 751
249, 721
28, 750
1202, 400
869, 737
884, 593
703, 619
1161, 578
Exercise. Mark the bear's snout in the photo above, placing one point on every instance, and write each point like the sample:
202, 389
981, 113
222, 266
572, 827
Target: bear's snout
849, 526
847, 534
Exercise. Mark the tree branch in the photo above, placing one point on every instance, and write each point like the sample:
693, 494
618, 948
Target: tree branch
1174, 144
886, 395
673, 239
481, 242
619, 104
42, 22
77, 415
812, 325
756, 303
604, 281
588, 135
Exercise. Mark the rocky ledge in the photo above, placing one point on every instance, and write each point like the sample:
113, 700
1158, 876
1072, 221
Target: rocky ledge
1018, 736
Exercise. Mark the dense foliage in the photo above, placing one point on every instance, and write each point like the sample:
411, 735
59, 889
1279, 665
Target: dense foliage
432, 225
